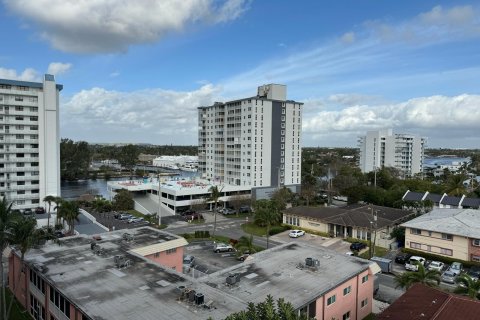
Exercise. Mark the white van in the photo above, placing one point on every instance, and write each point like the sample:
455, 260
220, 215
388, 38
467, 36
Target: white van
413, 262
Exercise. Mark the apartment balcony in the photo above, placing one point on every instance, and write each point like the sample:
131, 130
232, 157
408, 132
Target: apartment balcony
11, 139
24, 131
25, 112
18, 178
19, 169
14, 188
22, 196
10, 149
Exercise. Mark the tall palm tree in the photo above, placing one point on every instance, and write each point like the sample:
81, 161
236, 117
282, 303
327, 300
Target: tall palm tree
24, 235
267, 213
215, 194
430, 278
58, 201
468, 286
454, 186
245, 244
7, 218
69, 212
49, 200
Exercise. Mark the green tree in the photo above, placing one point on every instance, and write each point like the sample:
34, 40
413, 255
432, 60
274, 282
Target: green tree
281, 197
49, 199
267, 310
69, 212
468, 286
123, 200
309, 188
215, 194
454, 185
128, 156
74, 159
267, 213
245, 244
430, 278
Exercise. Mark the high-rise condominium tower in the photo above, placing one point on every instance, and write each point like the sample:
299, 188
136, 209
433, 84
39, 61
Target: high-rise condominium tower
253, 141
29, 141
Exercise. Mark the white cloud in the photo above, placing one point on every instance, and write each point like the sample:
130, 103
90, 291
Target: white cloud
436, 117
97, 26
348, 37
28, 74
58, 68
154, 115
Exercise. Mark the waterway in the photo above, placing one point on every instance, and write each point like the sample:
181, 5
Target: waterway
74, 189
437, 161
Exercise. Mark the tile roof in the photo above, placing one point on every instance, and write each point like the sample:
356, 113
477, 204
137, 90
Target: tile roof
353, 215
434, 197
463, 222
413, 196
471, 203
425, 303
453, 201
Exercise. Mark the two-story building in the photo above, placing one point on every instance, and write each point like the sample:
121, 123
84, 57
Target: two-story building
453, 233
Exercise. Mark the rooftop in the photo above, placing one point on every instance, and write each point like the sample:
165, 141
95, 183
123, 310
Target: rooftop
424, 303
102, 291
353, 215
462, 222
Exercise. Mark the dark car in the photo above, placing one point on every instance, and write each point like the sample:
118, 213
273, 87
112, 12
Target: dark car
474, 272
39, 210
402, 258
244, 209
357, 246
27, 212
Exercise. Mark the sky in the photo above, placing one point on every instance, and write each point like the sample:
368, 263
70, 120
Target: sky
136, 71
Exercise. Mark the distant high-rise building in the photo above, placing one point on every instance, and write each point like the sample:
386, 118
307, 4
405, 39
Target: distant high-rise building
29, 141
382, 148
253, 141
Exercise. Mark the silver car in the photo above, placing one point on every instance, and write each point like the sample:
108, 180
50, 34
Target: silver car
449, 276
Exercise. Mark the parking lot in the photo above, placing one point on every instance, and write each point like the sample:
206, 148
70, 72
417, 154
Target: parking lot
111, 223
207, 261
335, 244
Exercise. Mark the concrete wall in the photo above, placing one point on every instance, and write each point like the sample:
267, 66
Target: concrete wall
432, 242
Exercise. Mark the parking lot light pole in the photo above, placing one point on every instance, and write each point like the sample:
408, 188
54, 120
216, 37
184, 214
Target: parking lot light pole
159, 204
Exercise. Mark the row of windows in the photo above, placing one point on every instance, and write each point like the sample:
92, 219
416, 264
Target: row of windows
444, 251
419, 232
59, 300
37, 281
36, 309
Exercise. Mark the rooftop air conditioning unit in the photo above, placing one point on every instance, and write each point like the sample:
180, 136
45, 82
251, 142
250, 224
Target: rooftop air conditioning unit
191, 295
233, 278
199, 298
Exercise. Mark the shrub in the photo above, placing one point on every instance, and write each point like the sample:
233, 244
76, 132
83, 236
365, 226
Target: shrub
277, 229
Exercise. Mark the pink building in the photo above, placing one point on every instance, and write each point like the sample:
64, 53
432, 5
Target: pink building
139, 276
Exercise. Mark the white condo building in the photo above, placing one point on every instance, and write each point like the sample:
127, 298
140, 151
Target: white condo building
253, 141
383, 148
29, 141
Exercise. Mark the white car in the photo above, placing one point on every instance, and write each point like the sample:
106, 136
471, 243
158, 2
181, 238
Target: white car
222, 247
135, 220
436, 265
296, 233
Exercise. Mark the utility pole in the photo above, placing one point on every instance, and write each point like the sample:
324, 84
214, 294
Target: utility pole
159, 203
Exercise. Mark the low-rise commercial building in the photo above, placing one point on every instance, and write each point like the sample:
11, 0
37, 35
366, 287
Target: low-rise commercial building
453, 233
362, 222
74, 281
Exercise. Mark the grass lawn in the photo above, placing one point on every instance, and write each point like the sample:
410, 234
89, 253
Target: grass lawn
135, 213
379, 252
252, 228
18, 311
240, 216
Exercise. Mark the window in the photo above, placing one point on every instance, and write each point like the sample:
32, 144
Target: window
415, 245
346, 316
364, 302
170, 251
476, 242
17, 98
37, 281
415, 231
446, 236
36, 309
475, 258
447, 252
331, 300
365, 278
60, 302
156, 254
347, 290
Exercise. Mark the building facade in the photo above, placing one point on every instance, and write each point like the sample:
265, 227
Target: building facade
29, 141
383, 148
253, 141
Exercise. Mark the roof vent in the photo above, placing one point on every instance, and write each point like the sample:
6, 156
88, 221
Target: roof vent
312, 263
233, 278
199, 298
122, 262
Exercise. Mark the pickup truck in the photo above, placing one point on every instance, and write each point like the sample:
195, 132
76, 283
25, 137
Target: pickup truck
413, 262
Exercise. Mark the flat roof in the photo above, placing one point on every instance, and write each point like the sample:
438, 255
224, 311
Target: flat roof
100, 290
462, 222
30, 84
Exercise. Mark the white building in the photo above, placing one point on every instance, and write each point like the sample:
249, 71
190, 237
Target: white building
253, 141
175, 162
29, 141
382, 148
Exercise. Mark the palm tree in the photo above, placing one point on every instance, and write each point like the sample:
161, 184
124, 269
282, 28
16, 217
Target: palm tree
454, 186
267, 213
7, 217
430, 278
24, 235
468, 286
245, 244
49, 200
214, 196
58, 201
69, 212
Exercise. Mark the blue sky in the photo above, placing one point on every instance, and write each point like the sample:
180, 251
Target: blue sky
135, 71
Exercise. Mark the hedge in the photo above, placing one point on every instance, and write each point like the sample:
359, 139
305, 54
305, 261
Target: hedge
447, 260
278, 229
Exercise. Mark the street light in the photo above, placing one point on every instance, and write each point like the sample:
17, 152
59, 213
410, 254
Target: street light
159, 204
373, 225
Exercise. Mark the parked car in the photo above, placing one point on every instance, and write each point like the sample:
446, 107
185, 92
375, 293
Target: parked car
27, 212
220, 210
474, 272
222, 247
296, 233
59, 234
413, 262
124, 217
135, 220
193, 216
244, 209
449, 277
39, 210
402, 258
228, 211
117, 215
243, 256
456, 268
357, 246
189, 261
436, 265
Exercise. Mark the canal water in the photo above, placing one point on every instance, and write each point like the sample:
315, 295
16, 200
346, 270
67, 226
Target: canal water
73, 189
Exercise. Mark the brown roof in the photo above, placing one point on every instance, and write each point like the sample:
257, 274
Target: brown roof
353, 215
425, 303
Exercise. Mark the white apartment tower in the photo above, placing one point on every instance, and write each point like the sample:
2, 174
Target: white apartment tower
384, 149
29, 141
253, 141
